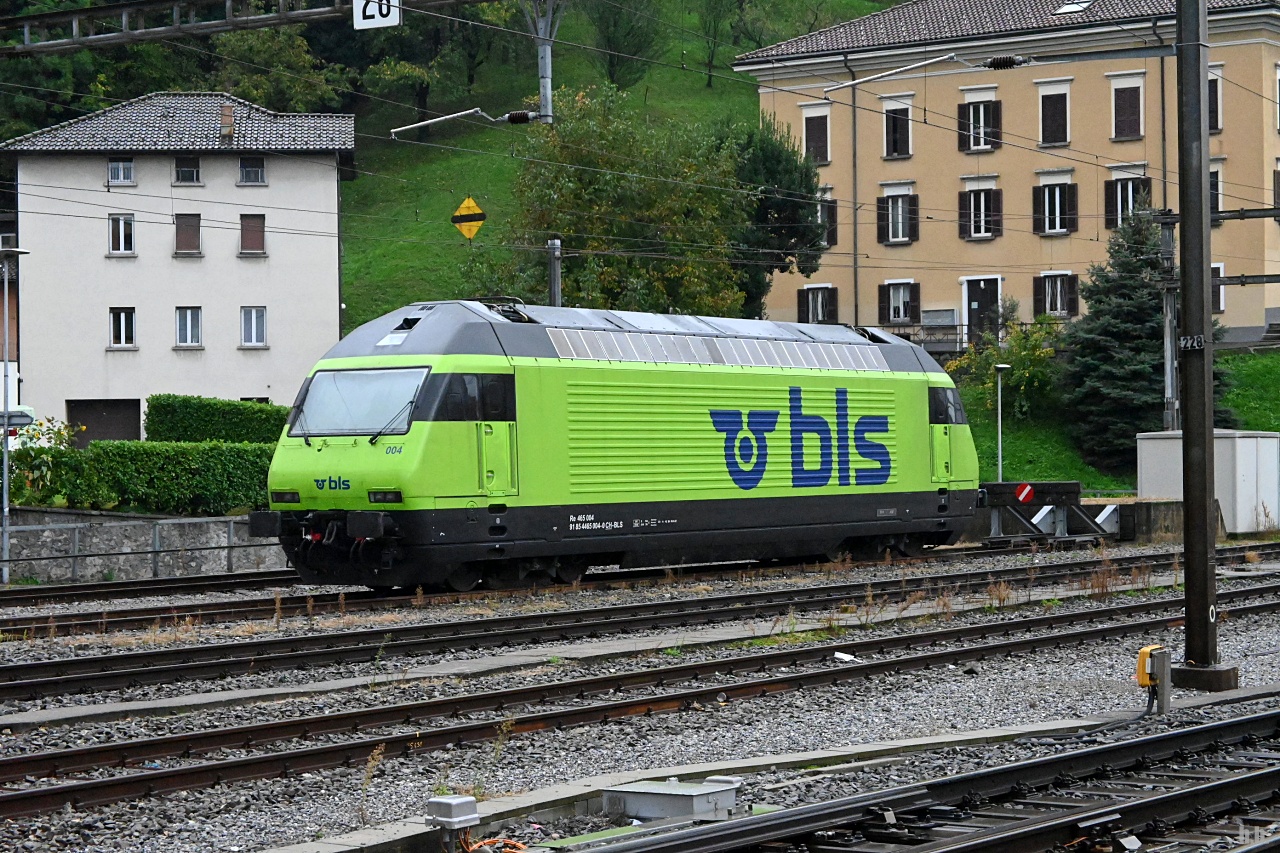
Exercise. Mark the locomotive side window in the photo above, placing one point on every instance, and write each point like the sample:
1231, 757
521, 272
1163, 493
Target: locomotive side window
945, 407
462, 398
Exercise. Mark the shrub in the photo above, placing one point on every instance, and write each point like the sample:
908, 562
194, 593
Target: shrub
174, 417
1030, 384
181, 478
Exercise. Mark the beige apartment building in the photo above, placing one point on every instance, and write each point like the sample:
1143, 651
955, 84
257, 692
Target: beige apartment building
952, 185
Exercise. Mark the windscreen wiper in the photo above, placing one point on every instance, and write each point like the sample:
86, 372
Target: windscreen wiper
373, 439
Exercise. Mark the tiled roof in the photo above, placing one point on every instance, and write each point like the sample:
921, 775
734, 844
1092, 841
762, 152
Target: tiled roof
922, 21
190, 121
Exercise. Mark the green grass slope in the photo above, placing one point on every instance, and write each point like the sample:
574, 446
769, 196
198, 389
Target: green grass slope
1255, 393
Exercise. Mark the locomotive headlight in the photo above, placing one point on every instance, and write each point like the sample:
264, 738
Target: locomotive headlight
385, 498
285, 498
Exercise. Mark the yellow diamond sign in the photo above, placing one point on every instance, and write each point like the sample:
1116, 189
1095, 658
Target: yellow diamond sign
468, 218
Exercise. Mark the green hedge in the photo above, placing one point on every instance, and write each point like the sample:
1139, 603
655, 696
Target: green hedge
178, 478
174, 417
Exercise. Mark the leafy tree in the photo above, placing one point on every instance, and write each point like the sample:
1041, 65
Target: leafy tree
642, 209
627, 38
274, 67
1114, 378
759, 23
714, 17
783, 232
1031, 385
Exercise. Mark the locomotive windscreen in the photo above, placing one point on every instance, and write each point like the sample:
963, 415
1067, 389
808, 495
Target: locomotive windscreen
359, 402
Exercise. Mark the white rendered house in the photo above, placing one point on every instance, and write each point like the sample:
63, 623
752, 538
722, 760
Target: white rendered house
181, 242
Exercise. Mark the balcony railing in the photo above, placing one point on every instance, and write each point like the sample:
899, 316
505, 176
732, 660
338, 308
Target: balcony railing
947, 337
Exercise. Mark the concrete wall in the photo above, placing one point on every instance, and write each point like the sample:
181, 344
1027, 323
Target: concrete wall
59, 534
69, 283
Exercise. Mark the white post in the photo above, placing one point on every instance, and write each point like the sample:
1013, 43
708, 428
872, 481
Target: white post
997, 528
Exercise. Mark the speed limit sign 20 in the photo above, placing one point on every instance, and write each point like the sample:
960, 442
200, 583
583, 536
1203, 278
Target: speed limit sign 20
368, 14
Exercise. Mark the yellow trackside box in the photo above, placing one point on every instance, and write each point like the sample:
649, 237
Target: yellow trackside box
1144, 665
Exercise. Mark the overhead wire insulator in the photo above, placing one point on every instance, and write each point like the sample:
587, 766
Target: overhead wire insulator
520, 117
1004, 63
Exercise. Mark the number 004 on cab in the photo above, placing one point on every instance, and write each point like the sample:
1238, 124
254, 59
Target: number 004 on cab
450, 443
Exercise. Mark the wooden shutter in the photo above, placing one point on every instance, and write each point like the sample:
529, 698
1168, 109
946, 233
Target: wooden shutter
834, 302
802, 306
1128, 109
884, 304
253, 232
914, 313
1037, 296
1111, 213
962, 127
882, 220
1073, 296
187, 235
1038, 225
815, 139
830, 211
1275, 190
966, 223
997, 212
1215, 93
1219, 297
995, 134
1071, 215
913, 218
1053, 118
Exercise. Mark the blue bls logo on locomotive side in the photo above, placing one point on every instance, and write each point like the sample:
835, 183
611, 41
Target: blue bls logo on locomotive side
334, 483
747, 456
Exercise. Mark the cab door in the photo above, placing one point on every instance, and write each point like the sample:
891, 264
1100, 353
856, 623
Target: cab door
940, 428
496, 436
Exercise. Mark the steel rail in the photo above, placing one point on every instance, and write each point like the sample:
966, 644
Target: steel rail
64, 675
79, 793
33, 596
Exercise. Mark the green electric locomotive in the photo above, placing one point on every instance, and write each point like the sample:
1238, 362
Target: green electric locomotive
450, 443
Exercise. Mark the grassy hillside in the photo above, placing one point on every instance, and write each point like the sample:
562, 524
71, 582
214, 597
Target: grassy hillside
1255, 396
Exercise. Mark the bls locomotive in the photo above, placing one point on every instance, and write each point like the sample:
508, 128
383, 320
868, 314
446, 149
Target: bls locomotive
454, 443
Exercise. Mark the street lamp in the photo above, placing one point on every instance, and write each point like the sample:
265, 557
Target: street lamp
5, 256
1000, 369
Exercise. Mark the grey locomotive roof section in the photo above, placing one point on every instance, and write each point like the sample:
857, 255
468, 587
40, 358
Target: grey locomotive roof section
190, 121
435, 328
924, 21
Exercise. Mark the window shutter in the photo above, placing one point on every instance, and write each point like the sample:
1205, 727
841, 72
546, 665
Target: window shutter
1215, 91
830, 211
1073, 296
815, 139
1128, 106
966, 225
253, 227
1071, 214
884, 304
962, 127
995, 134
1111, 215
1219, 298
915, 302
187, 236
1053, 118
833, 300
1038, 225
913, 218
1037, 296
997, 212
1275, 190
802, 306
882, 220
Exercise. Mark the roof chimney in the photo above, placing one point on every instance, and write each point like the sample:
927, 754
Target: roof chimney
227, 127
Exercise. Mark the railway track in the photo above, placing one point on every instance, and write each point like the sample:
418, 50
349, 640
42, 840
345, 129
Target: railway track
1177, 792
118, 671
429, 725
104, 621
40, 595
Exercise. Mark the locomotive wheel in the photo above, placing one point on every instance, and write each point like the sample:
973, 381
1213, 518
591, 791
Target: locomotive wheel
463, 579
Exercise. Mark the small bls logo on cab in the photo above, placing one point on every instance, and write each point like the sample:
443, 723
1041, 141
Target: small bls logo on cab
333, 484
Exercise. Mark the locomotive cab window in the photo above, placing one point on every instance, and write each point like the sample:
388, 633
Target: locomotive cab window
945, 407
358, 402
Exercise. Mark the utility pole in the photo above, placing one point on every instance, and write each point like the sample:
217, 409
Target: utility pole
1166, 220
1200, 670
553, 274
543, 17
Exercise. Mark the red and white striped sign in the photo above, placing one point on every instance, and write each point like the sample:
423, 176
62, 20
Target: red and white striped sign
1024, 493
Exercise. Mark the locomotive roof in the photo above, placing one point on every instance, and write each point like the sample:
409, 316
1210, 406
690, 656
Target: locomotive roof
507, 328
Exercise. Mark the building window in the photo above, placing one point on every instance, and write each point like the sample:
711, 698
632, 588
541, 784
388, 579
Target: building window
1215, 194
816, 143
120, 172
1056, 294
1126, 108
816, 304
188, 320
253, 326
899, 303
1214, 105
253, 170
897, 132
828, 217
1055, 209
1219, 290
979, 125
186, 233
1123, 196
121, 233
981, 213
122, 328
186, 170
897, 218
253, 234
1055, 124
8, 240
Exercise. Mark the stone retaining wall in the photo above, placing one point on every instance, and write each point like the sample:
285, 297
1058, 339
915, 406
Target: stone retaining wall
55, 546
